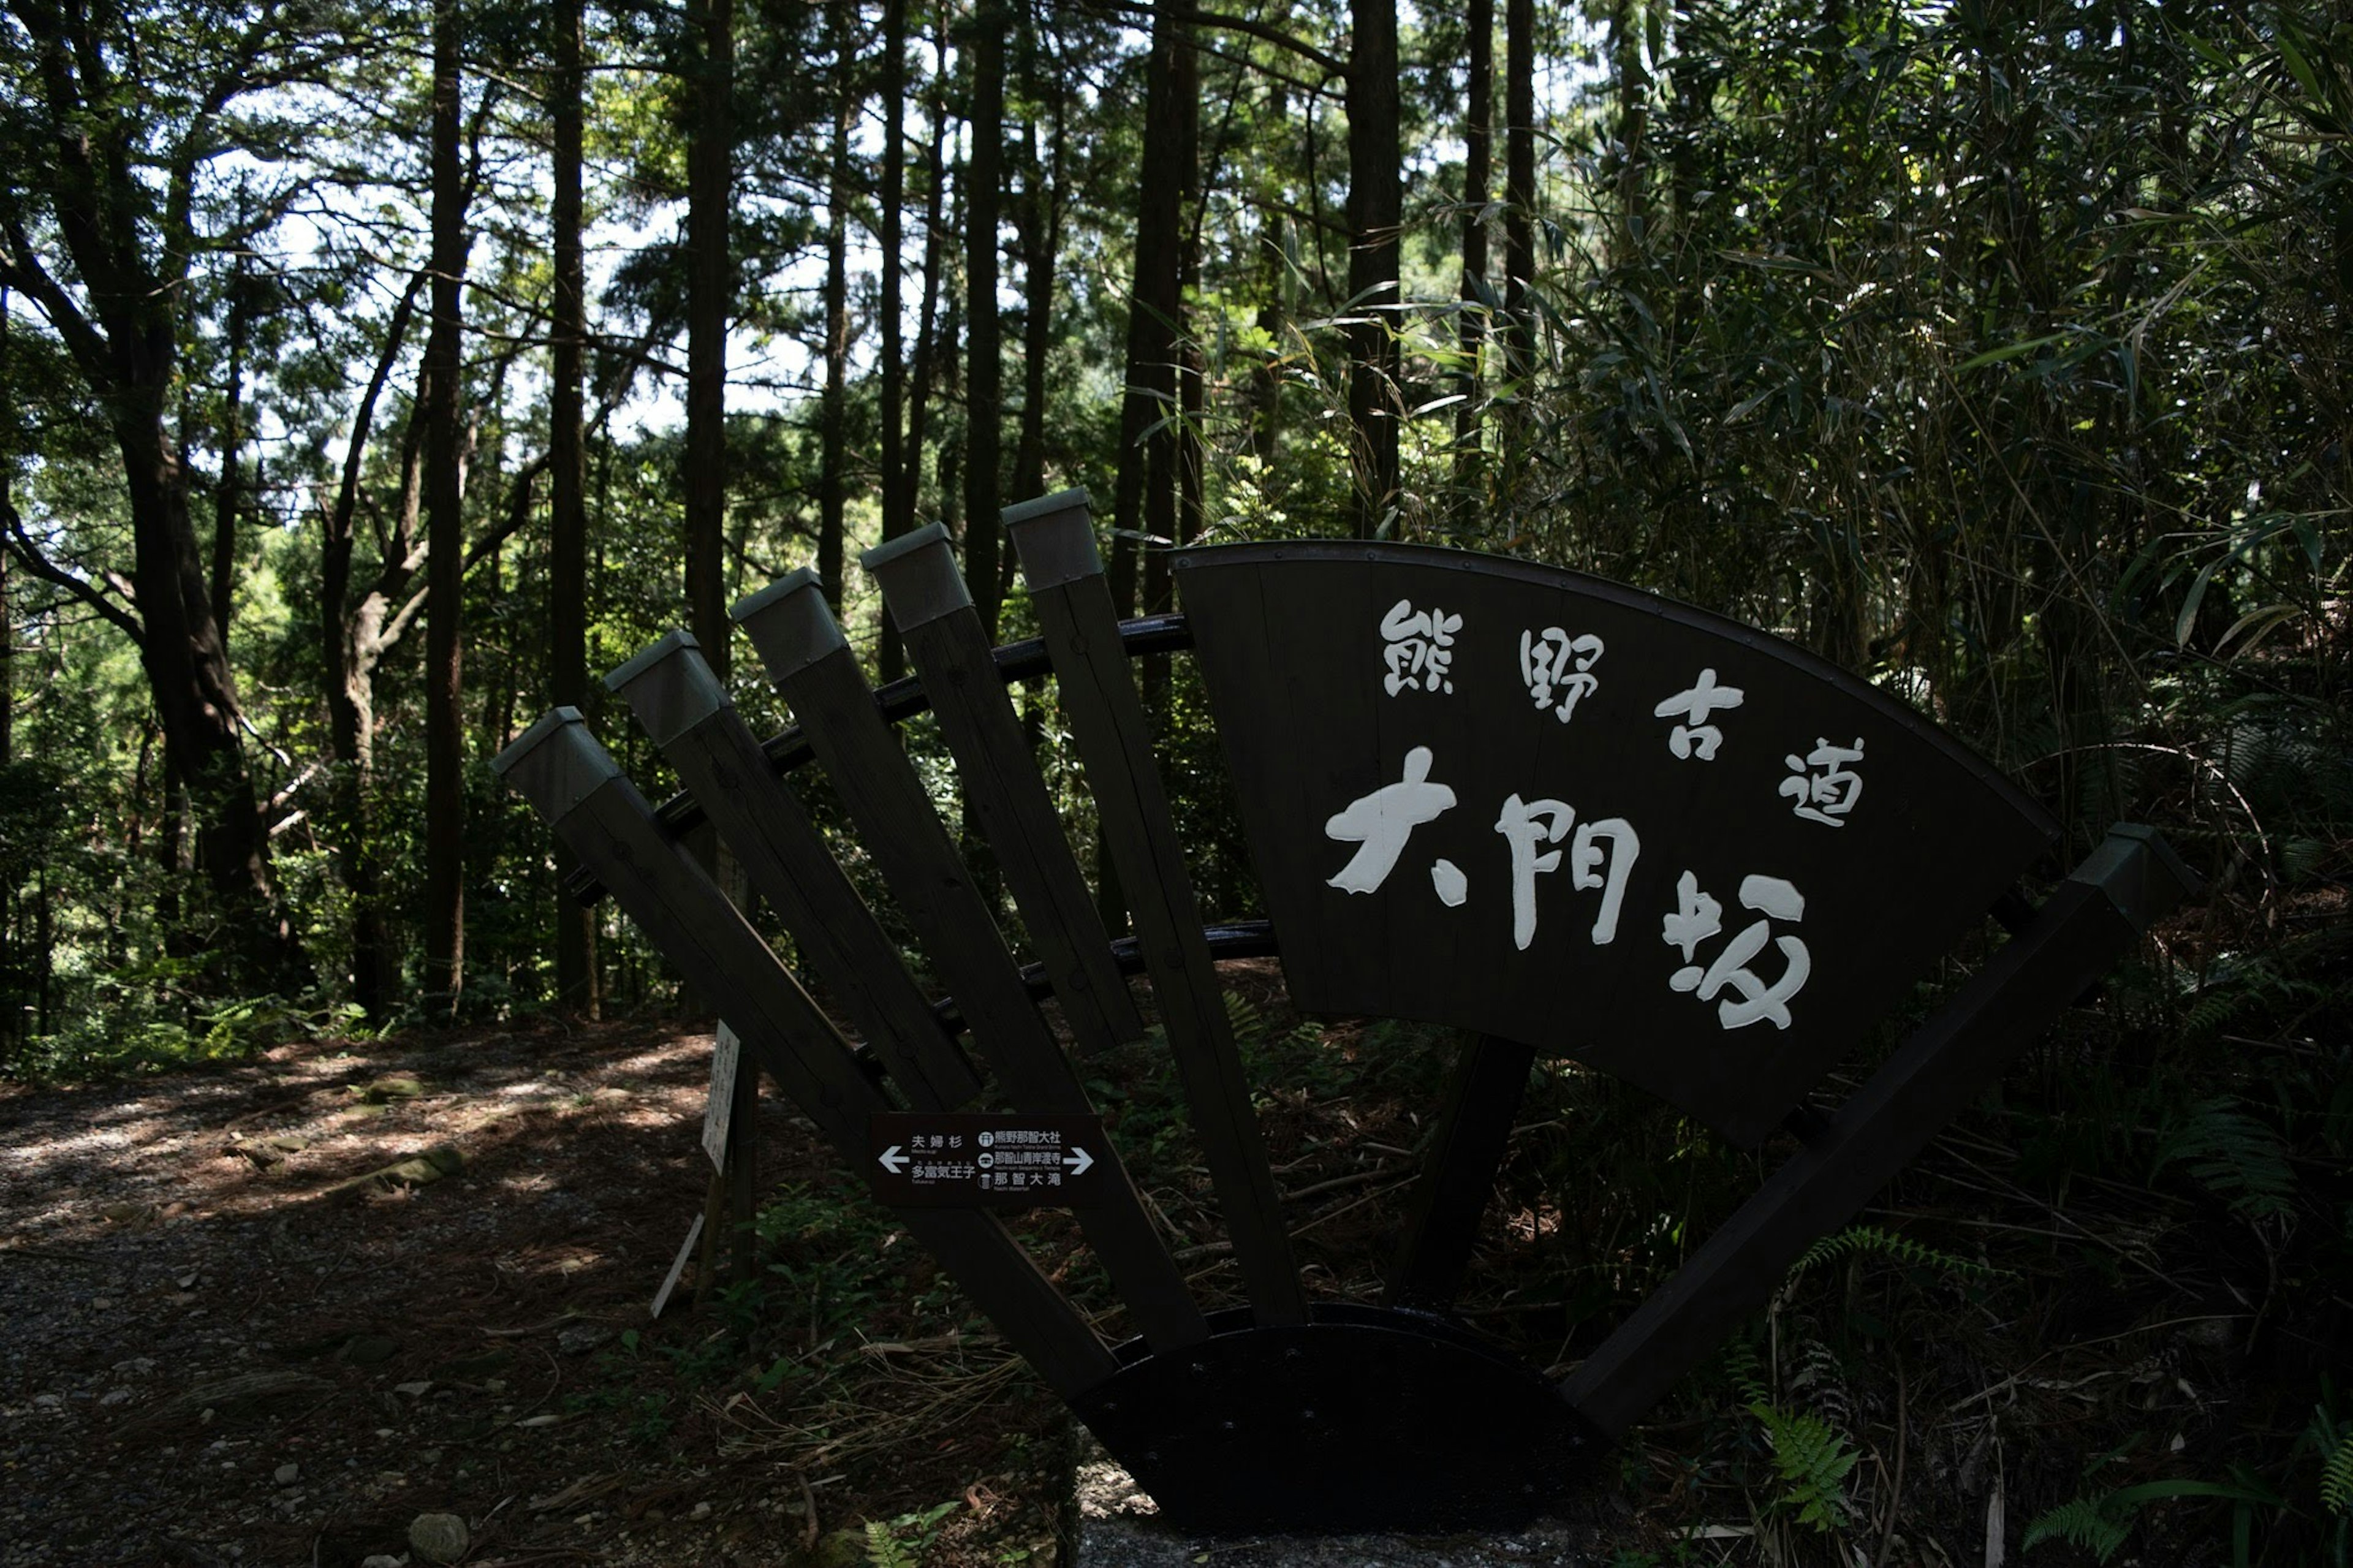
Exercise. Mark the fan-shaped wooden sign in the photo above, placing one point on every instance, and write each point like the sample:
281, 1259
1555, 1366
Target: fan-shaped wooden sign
1563, 812
1568, 816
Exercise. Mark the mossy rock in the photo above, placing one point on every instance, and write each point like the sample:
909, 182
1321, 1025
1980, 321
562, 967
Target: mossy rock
384, 1090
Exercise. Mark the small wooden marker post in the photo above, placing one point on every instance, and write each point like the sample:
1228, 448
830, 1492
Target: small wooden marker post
729, 1137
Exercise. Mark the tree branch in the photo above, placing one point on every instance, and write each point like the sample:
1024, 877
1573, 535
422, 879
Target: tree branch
23, 271
1246, 26
21, 545
517, 513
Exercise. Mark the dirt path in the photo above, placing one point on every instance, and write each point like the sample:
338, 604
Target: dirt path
213, 1351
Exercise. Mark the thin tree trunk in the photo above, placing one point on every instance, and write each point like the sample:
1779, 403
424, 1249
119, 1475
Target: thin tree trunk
445, 793
347, 643
1519, 217
1478, 141
1276, 243
567, 526
985, 371
898, 495
44, 948
891, 659
1173, 446
711, 24
1376, 198
1041, 224
1155, 300
226, 496
11, 1014
833, 478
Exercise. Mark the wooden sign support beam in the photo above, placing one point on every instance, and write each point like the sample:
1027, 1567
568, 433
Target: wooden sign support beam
2078, 936
811, 664
1055, 540
558, 766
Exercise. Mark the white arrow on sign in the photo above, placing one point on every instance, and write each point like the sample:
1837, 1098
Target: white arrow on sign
892, 1159
1078, 1160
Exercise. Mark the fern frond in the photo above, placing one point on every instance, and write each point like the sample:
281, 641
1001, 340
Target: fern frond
2085, 1523
1858, 1239
2336, 1477
1813, 1461
2233, 1155
883, 1547
1748, 1373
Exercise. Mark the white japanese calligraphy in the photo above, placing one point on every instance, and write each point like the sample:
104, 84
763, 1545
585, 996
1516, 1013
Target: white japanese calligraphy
1528, 824
1692, 734
1558, 668
1421, 652
1829, 792
1699, 918
1382, 821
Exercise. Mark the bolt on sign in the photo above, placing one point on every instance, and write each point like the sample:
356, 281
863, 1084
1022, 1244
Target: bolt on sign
1566, 813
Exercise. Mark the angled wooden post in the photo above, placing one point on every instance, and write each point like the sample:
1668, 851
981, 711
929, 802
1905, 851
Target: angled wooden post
1055, 540
684, 711
2094, 919
559, 767
1457, 1177
811, 664
942, 633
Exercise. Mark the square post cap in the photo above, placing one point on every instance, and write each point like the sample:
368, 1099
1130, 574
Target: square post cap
919, 576
1055, 538
669, 686
2138, 872
556, 763
790, 623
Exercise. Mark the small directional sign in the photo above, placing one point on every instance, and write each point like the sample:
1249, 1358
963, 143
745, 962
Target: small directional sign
986, 1159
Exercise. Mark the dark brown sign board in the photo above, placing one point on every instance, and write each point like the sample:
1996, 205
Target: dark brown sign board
935, 1159
1561, 811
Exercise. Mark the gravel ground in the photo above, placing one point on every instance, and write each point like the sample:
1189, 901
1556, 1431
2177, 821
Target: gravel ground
213, 1349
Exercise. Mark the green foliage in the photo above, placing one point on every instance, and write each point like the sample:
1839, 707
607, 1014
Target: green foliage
2337, 1476
902, 1541
1863, 1240
2102, 1524
2235, 1155
1813, 1461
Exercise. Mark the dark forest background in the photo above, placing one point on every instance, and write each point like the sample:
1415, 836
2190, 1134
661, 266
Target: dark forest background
375, 377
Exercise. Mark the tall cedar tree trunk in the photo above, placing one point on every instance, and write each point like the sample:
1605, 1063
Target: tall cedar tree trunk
985, 373
351, 642
1375, 199
890, 656
1040, 220
898, 494
1276, 245
1519, 221
445, 756
833, 478
711, 27
1155, 301
1478, 151
226, 496
122, 225
1168, 448
567, 521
